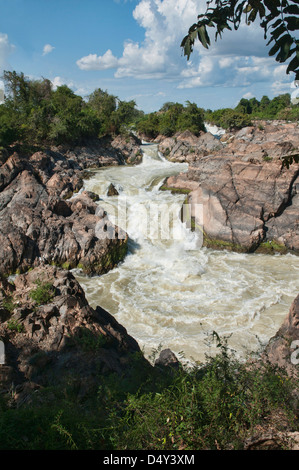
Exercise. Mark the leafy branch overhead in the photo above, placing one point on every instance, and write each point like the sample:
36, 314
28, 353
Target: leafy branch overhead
278, 18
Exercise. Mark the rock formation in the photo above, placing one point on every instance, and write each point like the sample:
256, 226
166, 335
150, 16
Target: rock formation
55, 335
40, 223
250, 201
283, 349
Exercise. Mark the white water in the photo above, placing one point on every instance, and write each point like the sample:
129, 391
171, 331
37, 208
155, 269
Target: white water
169, 293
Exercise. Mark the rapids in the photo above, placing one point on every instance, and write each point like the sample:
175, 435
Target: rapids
170, 293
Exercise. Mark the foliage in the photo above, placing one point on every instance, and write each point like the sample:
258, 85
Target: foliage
8, 304
35, 114
43, 293
172, 118
14, 325
278, 18
215, 405
280, 107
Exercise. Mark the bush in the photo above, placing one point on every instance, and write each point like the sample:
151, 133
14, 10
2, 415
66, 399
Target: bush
43, 294
214, 407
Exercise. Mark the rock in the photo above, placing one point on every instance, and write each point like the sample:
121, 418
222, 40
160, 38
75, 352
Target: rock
246, 205
167, 359
273, 441
95, 153
129, 146
283, 349
39, 226
250, 202
112, 191
64, 337
186, 147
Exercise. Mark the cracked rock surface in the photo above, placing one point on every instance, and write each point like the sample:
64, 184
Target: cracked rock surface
248, 203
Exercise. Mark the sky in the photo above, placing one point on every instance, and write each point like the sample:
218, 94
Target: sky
131, 49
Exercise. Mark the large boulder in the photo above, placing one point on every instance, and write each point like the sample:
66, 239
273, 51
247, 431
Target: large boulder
246, 205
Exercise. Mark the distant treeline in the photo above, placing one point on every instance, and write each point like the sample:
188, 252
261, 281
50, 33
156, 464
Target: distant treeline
35, 114
174, 117
247, 110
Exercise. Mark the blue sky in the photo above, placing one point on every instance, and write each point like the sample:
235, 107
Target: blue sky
131, 48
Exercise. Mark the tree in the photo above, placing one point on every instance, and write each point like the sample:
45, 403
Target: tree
278, 18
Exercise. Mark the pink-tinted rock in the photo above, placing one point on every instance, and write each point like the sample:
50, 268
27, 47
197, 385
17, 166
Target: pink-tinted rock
283, 349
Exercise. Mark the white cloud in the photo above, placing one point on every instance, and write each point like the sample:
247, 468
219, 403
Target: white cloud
94, 62
165, 23
47, 49
238, 59
78, 89
248, 95
6, 48
58, 81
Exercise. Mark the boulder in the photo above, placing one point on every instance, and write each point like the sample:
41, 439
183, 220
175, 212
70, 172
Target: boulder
167, 359
283, 349
246, 205
186, 147
112, 191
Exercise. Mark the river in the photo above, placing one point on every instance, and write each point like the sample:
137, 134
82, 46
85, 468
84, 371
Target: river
169, 293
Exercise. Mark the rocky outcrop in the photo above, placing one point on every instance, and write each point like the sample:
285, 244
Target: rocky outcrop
249, 203
40, 225
283, 349
52, 335
129, 146
263, 141
186, 147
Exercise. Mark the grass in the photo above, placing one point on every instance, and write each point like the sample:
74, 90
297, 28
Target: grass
216, 405
14, 325
175, 190
270, 247
43, 293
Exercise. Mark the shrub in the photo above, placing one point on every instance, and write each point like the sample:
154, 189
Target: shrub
43, 294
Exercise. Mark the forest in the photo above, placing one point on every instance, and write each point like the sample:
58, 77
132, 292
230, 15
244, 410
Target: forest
34, 114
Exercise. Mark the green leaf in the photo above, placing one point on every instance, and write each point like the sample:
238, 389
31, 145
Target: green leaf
293, 65
293, 23
292, 9
274, 49
273, 6
278, 32
252, 16
203, 36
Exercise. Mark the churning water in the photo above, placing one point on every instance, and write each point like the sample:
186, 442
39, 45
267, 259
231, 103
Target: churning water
170, 293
